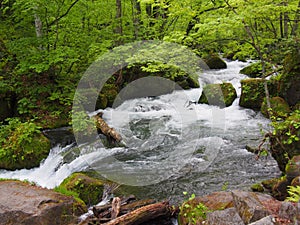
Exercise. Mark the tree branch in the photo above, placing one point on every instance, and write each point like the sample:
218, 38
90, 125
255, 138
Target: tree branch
63, 15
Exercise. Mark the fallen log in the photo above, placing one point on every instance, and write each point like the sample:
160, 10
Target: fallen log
143, 214
108, 131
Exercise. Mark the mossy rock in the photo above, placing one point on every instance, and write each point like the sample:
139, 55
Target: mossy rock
292, 168
215, 62
26, 154
290, 87
257, 187
102, 102
279, 190
253, 92
110, 91
254, 70
279, 106
218, 94
88, 189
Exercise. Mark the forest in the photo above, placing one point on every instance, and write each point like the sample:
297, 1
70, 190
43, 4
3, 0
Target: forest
47, 46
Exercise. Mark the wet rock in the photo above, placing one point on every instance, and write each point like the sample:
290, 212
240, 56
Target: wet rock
280, 107
268, 220
287, 211
228, 216
218, 94
215, 62
24, 204
249, 206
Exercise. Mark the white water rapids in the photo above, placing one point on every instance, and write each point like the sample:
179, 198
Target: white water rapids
199, 156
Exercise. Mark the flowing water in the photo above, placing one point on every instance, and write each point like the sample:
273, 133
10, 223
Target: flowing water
172, 145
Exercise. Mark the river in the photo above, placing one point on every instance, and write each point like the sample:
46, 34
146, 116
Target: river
172, 146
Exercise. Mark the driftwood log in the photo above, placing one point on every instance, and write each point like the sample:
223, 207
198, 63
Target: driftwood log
143, 214
108, 131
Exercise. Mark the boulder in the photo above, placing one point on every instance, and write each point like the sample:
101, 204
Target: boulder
280, 107
215, 62
249, 206
228, 216
254, 70
23, 148
87, 188
290, 80
253, 93
24, 204
287, 211
218, 94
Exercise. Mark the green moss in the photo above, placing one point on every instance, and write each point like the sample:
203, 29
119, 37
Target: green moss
279, 107
102, 102
253, 93
257, 188
218, 94
84, 187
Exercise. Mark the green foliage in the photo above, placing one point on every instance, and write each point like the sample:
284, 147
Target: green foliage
22, 144
82, 123
294, 194
193, 213
289, 129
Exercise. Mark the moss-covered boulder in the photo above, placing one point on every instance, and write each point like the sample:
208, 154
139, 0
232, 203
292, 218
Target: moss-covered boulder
279, 106
22, 145
218, 94
254, 70
87, 188
215, 62
290, 80
253, 92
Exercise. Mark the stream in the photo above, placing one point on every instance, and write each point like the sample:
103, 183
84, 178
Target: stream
172, 146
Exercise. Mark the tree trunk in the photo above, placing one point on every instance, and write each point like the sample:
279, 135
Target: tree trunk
296, 21
136, 17
38, 25
144, 214
109, 132
119, 27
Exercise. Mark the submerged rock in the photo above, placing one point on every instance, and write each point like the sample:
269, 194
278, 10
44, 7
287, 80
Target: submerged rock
22, 203
218, 94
